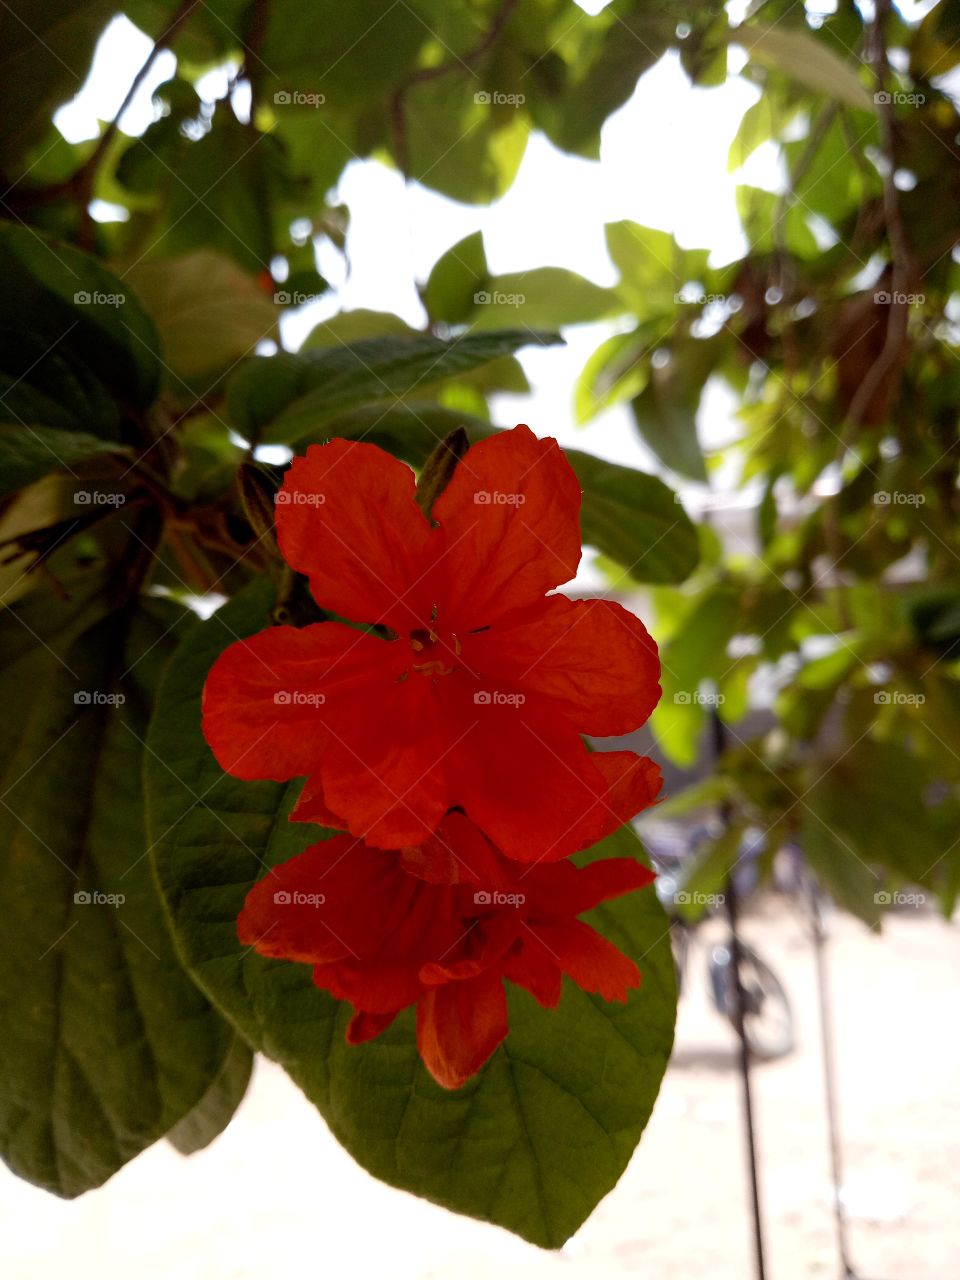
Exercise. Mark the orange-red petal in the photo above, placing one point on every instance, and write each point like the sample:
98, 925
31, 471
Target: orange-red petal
346, 517
593, 659
267, 697
510, 520
459, 1025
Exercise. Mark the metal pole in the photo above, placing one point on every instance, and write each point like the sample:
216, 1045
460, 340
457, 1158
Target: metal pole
829, 1079
749, 1125
720, 744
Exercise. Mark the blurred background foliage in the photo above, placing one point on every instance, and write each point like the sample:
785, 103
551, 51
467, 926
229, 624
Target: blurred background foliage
822, 630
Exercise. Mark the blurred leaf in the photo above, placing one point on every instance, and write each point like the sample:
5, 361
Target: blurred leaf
809, 60
46, 47
544, 297
207, 311
456, 278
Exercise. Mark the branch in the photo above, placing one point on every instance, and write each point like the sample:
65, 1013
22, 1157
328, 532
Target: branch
424, 75
901, 257
79, 185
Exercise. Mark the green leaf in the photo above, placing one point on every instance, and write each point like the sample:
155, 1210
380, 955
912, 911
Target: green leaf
800, 54
539, 1136
217, 1107
207, 311
617, 370
29, 453
107, 1042
65, 302
286, 397
665, 411
45, 51
696, 652
635, 519
544, 297
456, 278
461, 145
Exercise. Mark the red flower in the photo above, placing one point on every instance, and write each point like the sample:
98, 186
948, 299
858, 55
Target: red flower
478, 692
440, 927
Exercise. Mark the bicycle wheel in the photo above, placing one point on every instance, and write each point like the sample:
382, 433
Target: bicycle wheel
767, 1016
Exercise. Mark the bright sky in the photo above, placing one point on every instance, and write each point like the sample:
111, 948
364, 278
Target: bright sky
663, 164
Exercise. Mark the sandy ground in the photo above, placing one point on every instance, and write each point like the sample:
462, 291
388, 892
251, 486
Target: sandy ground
275, 1195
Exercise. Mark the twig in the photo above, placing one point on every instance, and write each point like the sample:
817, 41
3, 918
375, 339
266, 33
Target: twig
424, 75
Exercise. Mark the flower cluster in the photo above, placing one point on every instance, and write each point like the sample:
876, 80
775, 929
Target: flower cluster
440, 729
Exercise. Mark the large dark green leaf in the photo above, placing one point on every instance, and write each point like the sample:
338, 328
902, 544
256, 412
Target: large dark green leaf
286, 397
106, 1041
217, 1107
57, 303
538, 1137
